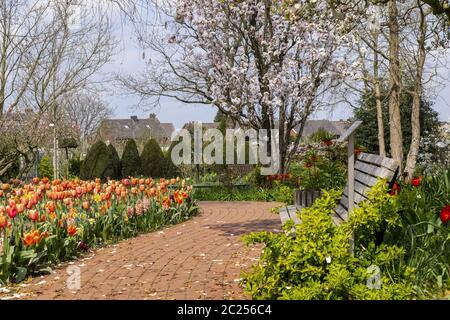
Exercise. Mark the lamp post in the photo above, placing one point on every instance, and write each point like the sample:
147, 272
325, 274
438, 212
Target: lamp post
55, 152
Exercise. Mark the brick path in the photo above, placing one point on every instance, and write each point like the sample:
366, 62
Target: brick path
199, 259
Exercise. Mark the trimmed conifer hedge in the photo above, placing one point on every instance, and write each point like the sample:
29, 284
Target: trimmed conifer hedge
131, 161
99, 163
153, 161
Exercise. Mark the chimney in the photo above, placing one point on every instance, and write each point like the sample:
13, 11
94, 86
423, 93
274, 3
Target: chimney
134, 118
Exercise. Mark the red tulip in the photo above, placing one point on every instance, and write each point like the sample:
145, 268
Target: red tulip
12, 212
395, 189
416, 181
445, 214
328, 142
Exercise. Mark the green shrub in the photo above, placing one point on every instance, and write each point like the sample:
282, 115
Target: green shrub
75, 166
317, 172
279, 193
116, 162
131, 161
317, 263
45, 167
170, 169
153, 161
99, 163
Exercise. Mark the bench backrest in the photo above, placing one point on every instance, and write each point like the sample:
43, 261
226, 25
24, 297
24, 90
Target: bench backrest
368, 169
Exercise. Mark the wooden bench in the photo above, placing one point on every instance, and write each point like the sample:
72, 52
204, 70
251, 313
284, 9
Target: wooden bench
368, 169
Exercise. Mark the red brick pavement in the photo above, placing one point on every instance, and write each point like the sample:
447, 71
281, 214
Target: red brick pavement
199, 259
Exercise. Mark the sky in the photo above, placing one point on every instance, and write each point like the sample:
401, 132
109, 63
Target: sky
129, 60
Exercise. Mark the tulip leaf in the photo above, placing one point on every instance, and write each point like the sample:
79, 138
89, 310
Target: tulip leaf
21, 274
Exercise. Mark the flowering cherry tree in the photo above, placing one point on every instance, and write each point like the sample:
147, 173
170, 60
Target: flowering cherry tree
262, 64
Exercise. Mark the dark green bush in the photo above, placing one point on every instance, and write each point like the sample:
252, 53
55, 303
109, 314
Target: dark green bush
99, 163
170, 170
153, 161
278, 192
131, 161
75, 166
116, 162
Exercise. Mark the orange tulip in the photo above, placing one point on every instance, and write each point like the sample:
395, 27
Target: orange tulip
28, 240
51, 207
3, 221
31, 238
72, 230
86, 205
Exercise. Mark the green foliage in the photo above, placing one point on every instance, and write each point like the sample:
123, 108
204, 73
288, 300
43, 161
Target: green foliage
321, 135
279, 193
317, 172
153, 161
99, 163
367, 134
75, 166
170, 169
317, 263
131, 161
45, 167
255, 177
425, 238
116, 162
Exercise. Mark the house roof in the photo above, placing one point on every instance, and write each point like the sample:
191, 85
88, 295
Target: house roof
168, 128
334, 127
205, 125
135, 128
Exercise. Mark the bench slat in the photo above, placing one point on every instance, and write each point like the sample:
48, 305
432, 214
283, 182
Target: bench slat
357, 200
387, 163
342, 212
365, 179
374, 171
336, 219
359, 188
292, 210
284, 215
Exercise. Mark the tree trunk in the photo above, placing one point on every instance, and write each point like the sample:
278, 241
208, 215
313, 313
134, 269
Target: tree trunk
411, 160
395, 126
380, 123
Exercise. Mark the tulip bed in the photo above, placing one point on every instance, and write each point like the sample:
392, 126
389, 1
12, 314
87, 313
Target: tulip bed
45, 222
